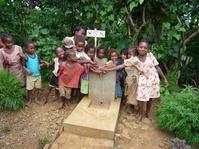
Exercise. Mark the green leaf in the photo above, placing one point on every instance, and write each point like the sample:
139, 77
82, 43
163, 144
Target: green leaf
111, 17
132, 5
44, 31
167, 25
177, 36
141, 1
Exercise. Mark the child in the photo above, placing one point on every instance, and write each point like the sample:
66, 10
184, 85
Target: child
69, 76
82, 57
124, 53
90, 51
11, 58
100, 59
148, 83
1, 48
54, 79
114, 60
131, 80
33, 79
67, 44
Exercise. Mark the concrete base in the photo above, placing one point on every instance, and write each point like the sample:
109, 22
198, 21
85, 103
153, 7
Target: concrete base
93, 122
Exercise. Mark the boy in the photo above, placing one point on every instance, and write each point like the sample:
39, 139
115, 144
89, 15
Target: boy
33, 79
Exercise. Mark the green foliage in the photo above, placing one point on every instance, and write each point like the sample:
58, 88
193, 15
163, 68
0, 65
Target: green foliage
179, 112
43, 141
11, 93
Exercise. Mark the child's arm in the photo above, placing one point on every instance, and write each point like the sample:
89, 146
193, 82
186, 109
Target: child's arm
162, 75
43, 63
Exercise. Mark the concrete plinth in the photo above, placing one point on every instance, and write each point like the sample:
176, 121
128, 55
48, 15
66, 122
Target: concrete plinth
93, 122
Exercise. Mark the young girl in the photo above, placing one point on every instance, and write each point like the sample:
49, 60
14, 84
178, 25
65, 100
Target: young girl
148, 83
114, 61
54, 79
69, 76
100, 59
33, 79
132, 78
1, 49
11, 58
90, 51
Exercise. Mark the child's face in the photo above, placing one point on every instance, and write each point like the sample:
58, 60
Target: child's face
30, 48
131, 53
1, 44
114, 56
143, 48
91, 53
72, 57
101, 53
124, 56
60, 53
8, 43
80, 33
80, 46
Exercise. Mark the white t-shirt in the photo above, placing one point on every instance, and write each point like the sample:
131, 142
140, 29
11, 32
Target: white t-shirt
82, 54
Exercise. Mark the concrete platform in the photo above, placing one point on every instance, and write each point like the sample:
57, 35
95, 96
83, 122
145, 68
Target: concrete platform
93, 122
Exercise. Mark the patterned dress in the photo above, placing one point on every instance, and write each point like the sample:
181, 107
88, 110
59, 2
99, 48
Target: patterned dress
14, 62
148, 83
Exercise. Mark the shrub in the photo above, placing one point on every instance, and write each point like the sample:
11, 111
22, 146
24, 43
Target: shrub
11, 93
43, 141
179, 112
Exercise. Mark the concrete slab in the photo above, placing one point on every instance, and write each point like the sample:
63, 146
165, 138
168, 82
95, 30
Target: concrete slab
72, 141
91, 121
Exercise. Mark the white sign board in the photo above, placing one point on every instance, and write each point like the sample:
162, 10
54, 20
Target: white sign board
95, 33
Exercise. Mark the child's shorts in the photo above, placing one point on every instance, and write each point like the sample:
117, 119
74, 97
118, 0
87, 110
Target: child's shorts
53, 81
84, 86
33, 82
65, 92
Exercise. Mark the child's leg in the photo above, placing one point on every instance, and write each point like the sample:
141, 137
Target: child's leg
140, 111
29, 96
47, 95
65, 94
148, 107
57, 94
37, 88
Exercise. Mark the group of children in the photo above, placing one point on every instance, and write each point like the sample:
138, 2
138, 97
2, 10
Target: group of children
137, 70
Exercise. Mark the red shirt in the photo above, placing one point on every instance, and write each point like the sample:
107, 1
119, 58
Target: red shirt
69, 74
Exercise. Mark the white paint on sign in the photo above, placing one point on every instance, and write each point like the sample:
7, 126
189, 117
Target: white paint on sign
95, 33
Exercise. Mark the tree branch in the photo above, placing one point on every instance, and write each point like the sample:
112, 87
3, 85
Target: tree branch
191, 36
143, 19
130, 18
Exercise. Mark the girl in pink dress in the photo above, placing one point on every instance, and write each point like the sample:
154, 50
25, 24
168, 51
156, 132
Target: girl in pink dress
148, 83
11, 56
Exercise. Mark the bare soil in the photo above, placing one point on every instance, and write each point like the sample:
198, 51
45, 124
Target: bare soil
34, 126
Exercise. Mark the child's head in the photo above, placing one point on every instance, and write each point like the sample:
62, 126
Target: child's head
143, 47
59, 52
30, 47
80, 43
114, 55
7, 41
124, 53
132, 52
71, 56
79, 31
1, 43
101, 53
90, 51
67, 44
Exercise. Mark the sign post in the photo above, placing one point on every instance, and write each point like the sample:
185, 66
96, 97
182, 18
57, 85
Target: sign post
96, 34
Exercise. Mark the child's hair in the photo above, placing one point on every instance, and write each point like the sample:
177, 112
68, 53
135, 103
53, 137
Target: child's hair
68, 52
124, 51
143, 40
5, 36
113, 51
89, 46
27, 42
134, 49
78, 28
101, 48
79, 39
56, 49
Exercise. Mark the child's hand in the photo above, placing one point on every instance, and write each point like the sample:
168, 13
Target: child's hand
28, 71
165, 82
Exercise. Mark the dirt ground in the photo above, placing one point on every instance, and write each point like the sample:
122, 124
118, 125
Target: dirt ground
34, 126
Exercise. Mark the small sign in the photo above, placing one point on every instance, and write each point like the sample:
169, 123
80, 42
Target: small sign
95, 33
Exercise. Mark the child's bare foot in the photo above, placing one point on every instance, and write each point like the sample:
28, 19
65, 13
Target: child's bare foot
138, 118
37, 102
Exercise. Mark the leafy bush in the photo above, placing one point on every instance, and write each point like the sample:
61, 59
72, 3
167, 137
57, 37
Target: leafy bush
11, 93
179, 112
